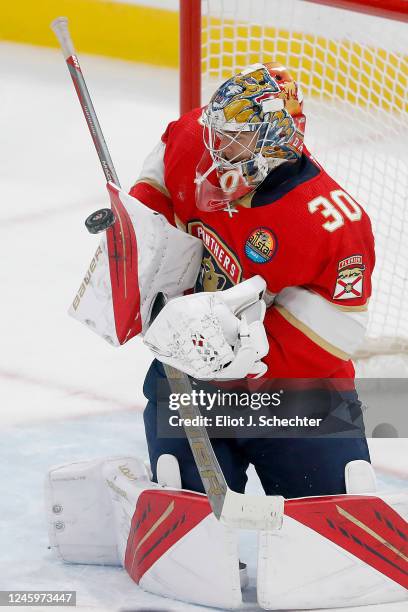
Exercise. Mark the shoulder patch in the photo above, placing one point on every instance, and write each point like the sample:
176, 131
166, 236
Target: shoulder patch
350, 278
261, 245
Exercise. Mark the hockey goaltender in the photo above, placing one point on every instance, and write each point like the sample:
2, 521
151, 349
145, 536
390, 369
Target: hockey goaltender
232, 204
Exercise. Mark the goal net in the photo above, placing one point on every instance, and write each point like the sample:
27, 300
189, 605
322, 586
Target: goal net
353, 70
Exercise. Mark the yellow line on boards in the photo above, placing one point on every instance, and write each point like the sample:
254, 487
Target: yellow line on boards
374, 78
127, 31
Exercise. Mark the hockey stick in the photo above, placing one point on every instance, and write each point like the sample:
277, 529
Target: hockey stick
234, 509
60, 29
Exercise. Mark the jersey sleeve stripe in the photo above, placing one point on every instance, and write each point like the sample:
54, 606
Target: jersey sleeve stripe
154, 184
360, 308
340, 332
153, 168
309, 333
179, 223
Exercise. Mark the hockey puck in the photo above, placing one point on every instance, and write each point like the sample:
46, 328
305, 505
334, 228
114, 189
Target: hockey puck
100, 220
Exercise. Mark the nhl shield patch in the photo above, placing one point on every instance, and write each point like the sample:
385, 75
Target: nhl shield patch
350, 278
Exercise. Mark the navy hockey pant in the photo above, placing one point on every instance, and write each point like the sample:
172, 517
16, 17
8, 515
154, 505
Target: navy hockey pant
292, 467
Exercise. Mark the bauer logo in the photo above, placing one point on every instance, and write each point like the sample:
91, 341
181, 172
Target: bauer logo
87, 279
261, 245
126, 471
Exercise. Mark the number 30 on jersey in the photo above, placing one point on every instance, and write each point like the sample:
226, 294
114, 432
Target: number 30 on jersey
334, 210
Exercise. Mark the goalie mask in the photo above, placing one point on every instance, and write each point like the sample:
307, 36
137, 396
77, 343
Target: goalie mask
252, 124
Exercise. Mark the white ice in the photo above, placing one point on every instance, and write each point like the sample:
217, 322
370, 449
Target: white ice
65, 394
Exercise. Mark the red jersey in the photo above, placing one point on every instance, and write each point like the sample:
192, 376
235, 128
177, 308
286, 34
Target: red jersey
299, 230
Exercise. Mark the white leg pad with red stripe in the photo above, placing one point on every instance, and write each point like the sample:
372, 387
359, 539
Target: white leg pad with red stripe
333, 551
172, 545
108, 512
336, 551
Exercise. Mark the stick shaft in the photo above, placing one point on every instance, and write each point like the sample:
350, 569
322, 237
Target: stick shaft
60, 28
238, 510
208, 467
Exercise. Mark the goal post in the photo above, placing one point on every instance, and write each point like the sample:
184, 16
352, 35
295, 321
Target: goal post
351, 60
190, 55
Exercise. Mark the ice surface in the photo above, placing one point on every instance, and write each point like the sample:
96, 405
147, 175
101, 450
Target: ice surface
27, 452
50, 181
66, 394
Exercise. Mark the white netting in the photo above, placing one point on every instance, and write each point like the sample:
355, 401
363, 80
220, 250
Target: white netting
353, 69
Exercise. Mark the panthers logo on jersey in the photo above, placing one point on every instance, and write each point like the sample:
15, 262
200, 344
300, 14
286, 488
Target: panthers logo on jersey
220, 267
209, 278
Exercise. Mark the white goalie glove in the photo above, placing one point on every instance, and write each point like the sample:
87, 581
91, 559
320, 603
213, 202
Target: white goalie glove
213, 335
